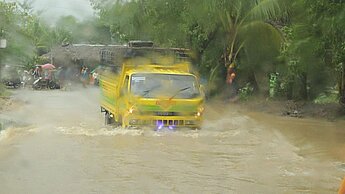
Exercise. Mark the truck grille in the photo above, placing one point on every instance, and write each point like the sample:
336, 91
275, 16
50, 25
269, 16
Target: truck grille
163, 122
166, 113
169, 122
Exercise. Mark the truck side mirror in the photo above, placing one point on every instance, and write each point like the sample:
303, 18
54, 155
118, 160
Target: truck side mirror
202, 90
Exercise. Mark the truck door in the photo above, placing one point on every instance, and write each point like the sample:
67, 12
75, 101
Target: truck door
123, 95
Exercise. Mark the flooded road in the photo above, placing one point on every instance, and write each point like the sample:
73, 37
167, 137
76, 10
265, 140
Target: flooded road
62, 146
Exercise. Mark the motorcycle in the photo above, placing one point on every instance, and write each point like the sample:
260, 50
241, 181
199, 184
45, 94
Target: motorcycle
26, 79
10, 76
40, 83
13, 83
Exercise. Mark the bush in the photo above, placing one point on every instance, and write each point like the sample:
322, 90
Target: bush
3, 91
246, 92
326, 98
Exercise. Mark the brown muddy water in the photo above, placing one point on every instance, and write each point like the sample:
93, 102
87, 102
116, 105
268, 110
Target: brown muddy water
62, 146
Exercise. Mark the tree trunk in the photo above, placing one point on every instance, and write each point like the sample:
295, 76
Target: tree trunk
342, 85
252, 79
304, 86
289, 90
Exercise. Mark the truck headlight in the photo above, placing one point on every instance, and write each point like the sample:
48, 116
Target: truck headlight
200, 111
132, 110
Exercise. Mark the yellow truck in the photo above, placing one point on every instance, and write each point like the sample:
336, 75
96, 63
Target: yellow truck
152, 87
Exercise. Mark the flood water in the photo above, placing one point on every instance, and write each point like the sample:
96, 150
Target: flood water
62, 146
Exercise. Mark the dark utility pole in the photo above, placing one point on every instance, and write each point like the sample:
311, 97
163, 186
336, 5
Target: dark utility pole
342, 85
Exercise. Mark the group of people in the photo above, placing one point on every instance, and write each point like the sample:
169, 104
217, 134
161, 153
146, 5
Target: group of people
44, 74
48, 77
64, 75
87, 77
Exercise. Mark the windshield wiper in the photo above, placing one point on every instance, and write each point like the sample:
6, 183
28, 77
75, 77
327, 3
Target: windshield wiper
181, 90
146, 92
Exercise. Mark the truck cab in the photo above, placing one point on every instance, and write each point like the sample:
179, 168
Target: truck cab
157, 88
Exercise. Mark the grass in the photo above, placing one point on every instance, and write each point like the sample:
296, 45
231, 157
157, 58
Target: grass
326, 98
4, 93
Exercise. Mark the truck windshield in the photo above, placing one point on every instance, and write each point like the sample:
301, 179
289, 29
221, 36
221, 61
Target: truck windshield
153, 85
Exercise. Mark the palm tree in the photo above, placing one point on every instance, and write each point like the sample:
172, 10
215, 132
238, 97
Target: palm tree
240, 19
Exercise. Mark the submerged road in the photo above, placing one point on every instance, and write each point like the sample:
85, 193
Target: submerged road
62, 146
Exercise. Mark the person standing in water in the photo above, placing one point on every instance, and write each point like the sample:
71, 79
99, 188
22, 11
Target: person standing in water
84, 76
231, 82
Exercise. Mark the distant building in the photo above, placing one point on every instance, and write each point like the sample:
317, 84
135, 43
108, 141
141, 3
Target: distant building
86, 54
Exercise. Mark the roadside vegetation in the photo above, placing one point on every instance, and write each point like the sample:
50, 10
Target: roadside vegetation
282, 49
3, 92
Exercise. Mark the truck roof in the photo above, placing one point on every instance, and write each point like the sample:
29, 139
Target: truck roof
178, 69
157, 62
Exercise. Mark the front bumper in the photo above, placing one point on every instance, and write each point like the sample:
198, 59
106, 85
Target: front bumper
164, 121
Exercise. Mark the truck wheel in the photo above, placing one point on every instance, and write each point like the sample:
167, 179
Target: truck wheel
123, 122
108, 119
118, 121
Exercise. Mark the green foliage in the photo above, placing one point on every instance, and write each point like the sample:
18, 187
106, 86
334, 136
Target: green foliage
3, 91
14, 21
69, 30
314, 47
215, 30
28, 37
274, 84
7, 15
302, 40
245, 92
325, 98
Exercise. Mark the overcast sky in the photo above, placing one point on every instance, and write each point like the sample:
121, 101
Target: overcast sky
53, 9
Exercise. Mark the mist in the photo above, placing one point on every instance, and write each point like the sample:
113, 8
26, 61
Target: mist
51, 10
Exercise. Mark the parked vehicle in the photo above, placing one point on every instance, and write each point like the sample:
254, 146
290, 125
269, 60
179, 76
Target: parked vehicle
40, 83
12, 83
27, 79
10, 76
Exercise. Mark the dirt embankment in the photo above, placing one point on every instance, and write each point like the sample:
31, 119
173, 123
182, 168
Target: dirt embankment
331, 111
8, 103
4, 103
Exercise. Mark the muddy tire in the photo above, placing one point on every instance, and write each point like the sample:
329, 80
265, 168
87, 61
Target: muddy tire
37, 87
118, 121
123, 123
52, 86
108, 119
